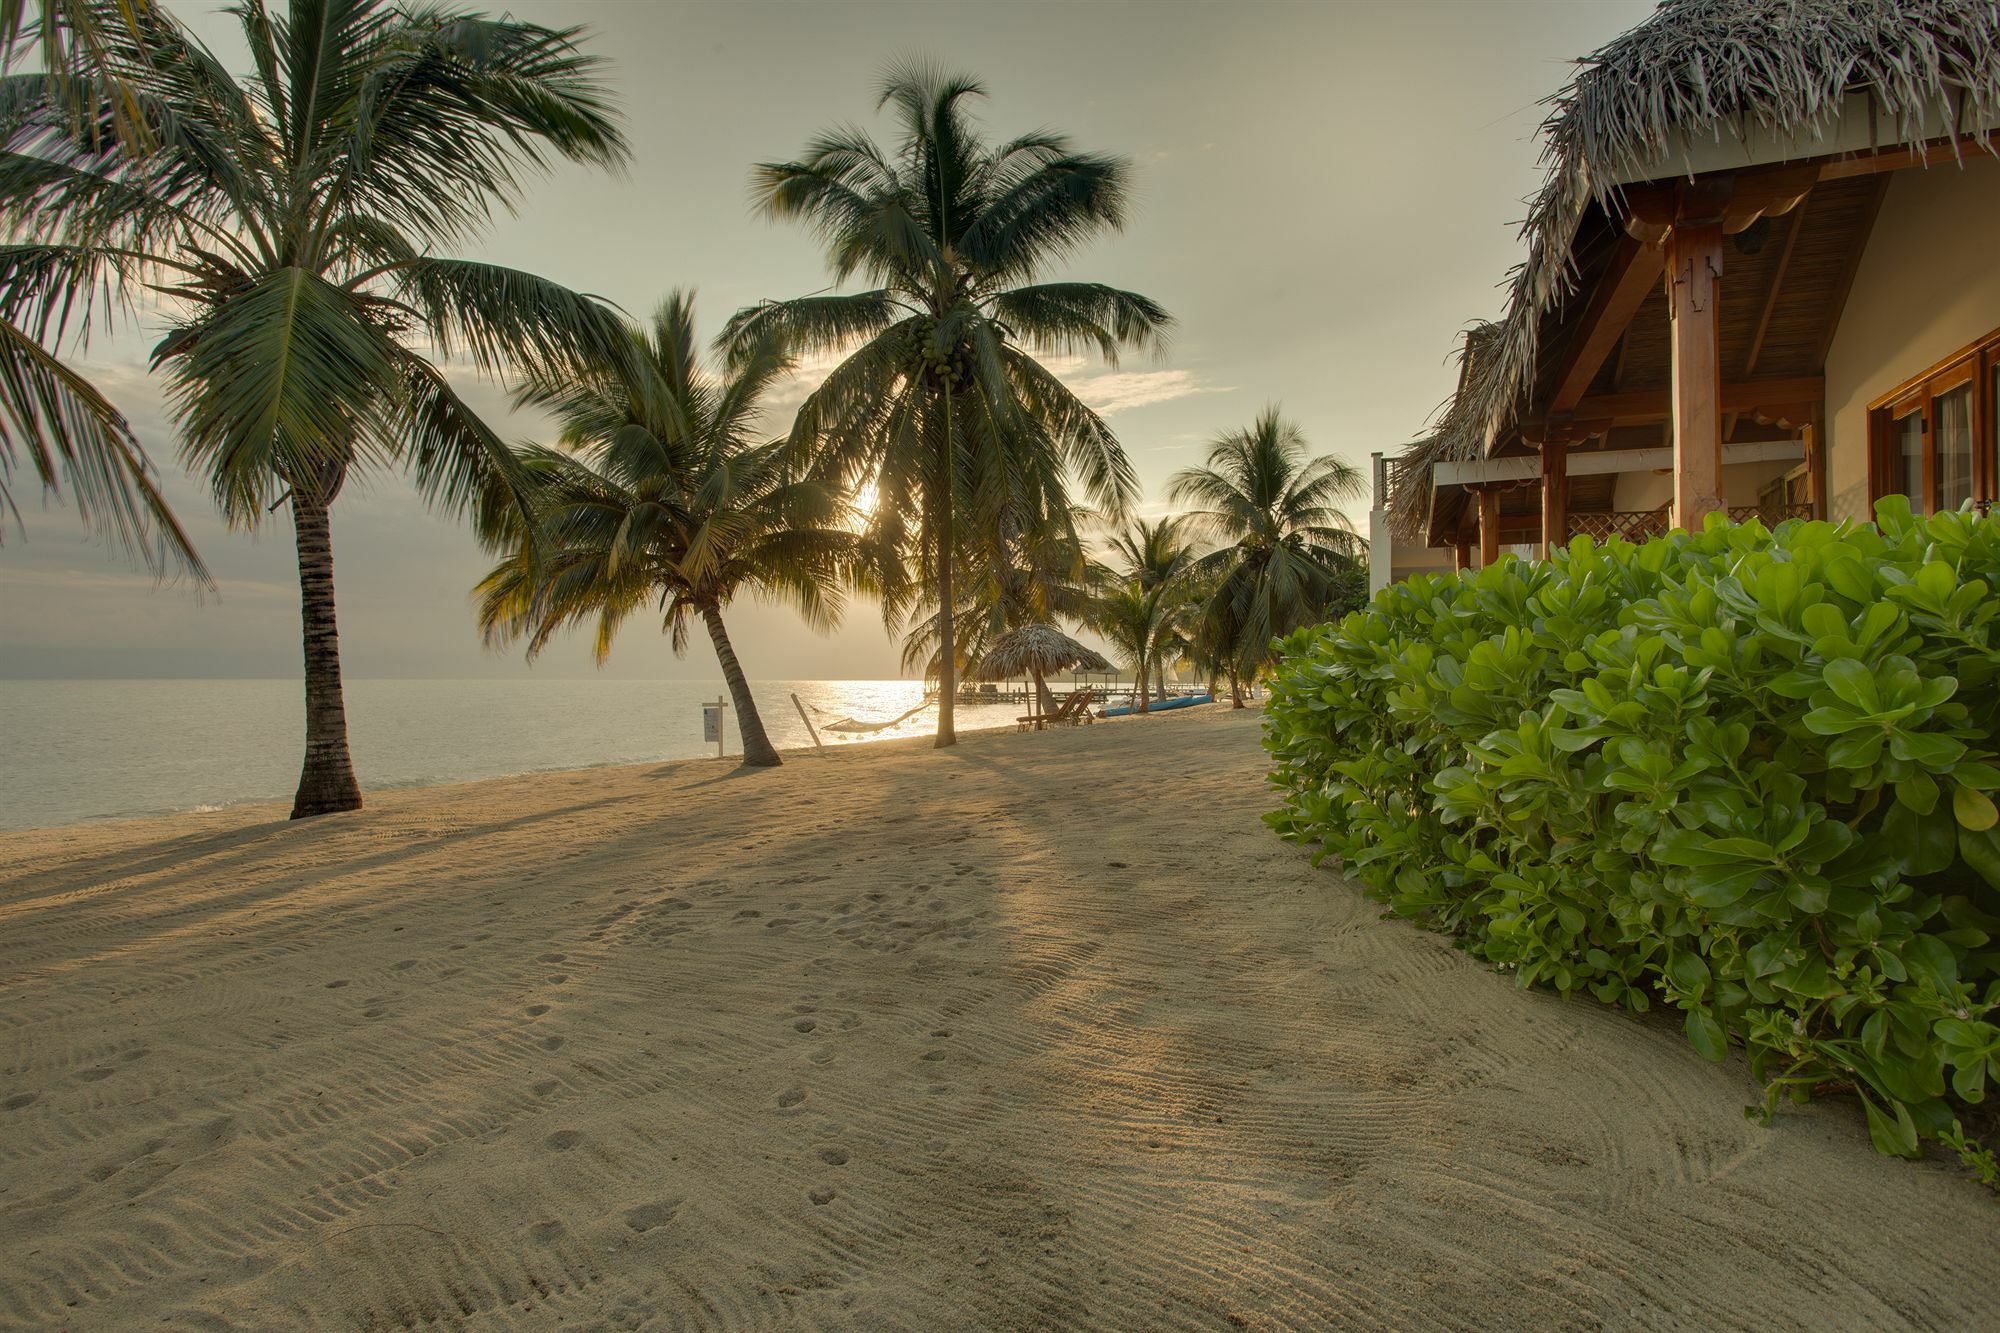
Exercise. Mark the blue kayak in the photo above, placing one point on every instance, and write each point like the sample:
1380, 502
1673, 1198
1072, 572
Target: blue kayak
1160, 706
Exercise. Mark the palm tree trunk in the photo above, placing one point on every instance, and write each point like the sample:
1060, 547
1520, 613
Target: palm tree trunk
1145, 674
947, 728
326, 780
758, 752
1235, 689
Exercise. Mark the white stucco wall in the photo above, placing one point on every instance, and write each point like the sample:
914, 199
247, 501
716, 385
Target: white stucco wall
1929, 284
1740, 484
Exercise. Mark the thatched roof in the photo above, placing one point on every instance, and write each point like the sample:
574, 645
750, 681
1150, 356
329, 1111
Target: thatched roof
1021, 652
1453, 440
1706, 70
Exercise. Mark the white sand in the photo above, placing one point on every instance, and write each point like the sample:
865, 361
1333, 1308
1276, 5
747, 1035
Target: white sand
1046, 1031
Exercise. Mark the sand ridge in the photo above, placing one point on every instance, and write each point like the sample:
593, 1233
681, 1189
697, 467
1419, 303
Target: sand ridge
1045, 1031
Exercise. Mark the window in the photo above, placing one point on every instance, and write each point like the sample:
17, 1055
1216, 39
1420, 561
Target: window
1936, 438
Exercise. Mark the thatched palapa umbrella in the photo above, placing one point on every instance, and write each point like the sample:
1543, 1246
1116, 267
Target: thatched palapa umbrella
1037, 651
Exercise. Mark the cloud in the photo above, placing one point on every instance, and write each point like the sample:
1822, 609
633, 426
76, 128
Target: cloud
1121, 390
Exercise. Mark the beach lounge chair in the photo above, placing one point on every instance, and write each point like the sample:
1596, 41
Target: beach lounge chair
1072, 710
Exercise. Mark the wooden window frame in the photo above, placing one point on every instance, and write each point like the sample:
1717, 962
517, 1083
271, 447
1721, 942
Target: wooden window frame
1975, 365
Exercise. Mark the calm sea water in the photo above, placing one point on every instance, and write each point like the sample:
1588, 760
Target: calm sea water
72, 751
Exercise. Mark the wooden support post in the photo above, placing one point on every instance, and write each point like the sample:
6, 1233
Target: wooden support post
811, 730
1489, 526
1694, 271
1555, 497
1462, 557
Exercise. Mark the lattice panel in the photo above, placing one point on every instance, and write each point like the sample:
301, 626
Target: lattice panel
1634, 525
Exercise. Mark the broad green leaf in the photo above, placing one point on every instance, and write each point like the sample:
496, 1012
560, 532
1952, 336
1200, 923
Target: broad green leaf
1706, 1035
1974, 809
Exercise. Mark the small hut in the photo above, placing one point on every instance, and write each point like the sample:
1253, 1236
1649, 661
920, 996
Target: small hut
1037, 652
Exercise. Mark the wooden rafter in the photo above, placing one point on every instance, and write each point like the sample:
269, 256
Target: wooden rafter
1844, 284
1636, 406
1634, 272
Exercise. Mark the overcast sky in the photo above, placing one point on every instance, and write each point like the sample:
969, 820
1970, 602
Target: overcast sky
1326, 194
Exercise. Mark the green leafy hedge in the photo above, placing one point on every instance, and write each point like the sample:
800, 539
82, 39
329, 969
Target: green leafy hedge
1745, 773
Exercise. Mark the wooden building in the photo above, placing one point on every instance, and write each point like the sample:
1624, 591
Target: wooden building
1763, 277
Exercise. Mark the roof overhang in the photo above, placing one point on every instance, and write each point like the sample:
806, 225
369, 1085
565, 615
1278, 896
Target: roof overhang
1597, 462
1858, 129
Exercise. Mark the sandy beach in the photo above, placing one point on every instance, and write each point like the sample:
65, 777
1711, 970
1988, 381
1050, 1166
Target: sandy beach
1047, 1031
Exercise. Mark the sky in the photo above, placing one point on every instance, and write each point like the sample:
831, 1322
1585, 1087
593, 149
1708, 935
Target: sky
1325, 195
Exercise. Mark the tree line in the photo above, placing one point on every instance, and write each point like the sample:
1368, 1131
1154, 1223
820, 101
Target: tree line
299, 220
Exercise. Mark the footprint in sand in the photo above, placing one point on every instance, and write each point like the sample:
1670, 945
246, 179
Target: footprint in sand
19, 1100
821, 1197
543, 1233
403, 966
804, 1025
833, 1156
791, 1097
335, 985
92, 1075
537, 1010
550, 957
564, 1139
649, 1215
552, 1043
546, 1087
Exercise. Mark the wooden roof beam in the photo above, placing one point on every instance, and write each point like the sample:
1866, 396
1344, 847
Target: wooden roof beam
1863, 228
1937, 153
1635, 270
1642, 405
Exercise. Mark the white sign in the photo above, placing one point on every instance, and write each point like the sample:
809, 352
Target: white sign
711, 723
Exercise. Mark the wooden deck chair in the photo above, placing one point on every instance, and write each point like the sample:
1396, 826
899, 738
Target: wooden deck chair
1064, 715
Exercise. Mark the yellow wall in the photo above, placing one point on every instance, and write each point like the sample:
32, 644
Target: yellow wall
1929, 284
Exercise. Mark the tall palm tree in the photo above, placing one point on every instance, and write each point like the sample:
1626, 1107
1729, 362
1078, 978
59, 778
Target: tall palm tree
940, 404
291, 221
668, 497
1286, 548
71, 435
1022, 574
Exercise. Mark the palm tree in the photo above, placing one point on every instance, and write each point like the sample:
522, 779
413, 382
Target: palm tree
1287, 549
71, 435
940, 404
1023, 574
667, 498
291, 220
1153, 555
1134, 620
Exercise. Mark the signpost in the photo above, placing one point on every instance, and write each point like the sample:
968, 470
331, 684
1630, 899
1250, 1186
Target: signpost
711, 724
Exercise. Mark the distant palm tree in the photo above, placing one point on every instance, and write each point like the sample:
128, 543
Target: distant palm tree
1010, 579
671, 500
1136, 620
71, 435
1158, 554
290, 219
942, 407
1287, 551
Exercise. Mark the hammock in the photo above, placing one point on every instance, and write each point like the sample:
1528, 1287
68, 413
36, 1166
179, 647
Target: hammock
849, 724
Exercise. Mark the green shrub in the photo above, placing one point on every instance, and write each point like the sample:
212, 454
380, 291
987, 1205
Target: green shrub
1744, 773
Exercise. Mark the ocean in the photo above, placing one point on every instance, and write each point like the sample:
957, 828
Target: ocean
72, 751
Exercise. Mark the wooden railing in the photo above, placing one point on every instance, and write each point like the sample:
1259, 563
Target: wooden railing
1770, 514
1637, 525
1634, 525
